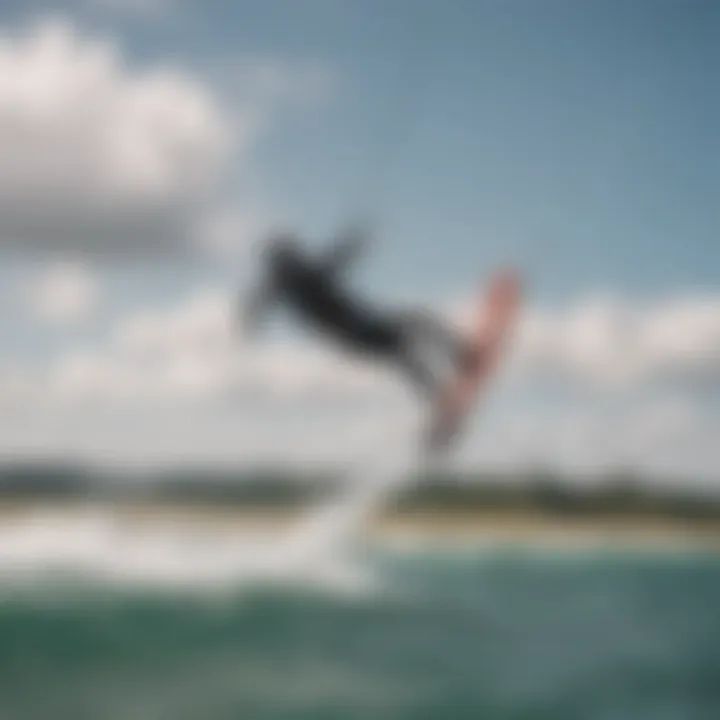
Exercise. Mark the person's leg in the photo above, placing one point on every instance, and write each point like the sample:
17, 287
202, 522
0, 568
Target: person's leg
417, 340
419, 374
426, 327
403, 339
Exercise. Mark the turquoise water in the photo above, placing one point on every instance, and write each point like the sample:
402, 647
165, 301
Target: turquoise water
471, 635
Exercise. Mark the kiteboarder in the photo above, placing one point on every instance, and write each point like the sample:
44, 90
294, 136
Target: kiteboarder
312, 285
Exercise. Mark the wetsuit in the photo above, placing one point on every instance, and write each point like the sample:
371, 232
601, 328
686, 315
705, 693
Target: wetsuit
312, 288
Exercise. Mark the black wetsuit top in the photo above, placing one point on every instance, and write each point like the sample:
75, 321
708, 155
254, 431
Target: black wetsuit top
311, 288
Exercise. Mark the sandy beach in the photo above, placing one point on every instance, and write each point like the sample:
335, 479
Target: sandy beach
507, 527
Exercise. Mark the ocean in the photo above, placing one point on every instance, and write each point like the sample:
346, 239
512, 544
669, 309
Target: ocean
146, 627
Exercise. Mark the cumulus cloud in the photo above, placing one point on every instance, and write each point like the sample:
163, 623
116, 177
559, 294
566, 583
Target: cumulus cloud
176, 383
599, 342
64, 294
611, 343
102, 157
191, 353
98, 157
661, 436
224, 234
614, 344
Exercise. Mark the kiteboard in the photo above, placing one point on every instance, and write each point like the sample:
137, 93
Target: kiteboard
496, 313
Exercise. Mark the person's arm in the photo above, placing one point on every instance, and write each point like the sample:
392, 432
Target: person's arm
346, 248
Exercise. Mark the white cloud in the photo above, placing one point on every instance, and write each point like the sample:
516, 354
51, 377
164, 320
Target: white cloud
610, 343
191, 353
662, 422
663, 437
225, 234
103, 157
64, 294
97, 157
175, 383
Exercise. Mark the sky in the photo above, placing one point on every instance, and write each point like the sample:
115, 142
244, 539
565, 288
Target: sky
146, 147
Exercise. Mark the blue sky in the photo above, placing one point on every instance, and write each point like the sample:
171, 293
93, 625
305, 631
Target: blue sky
575, 140
578, 138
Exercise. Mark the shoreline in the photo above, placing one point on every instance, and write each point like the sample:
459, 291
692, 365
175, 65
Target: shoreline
509, 527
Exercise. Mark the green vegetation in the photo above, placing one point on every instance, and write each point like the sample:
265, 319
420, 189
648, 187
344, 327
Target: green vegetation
267, 488
613, 496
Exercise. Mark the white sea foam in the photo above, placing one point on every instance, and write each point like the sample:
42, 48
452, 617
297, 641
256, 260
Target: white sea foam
97, 544
318, 550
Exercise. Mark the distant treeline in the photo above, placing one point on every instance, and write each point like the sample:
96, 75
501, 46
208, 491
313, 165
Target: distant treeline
264, 488
611, 497
258, 487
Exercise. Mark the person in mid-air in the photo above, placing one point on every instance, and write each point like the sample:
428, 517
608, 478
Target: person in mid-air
312, 285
